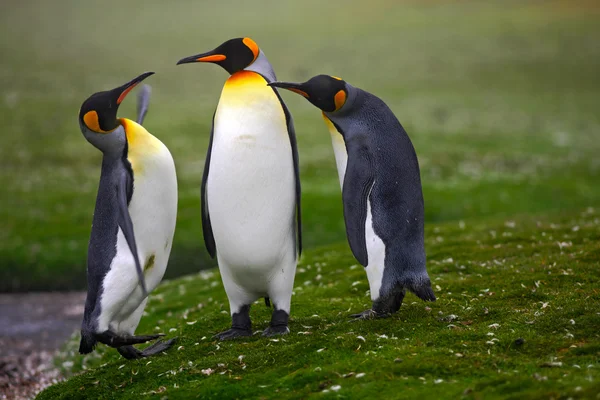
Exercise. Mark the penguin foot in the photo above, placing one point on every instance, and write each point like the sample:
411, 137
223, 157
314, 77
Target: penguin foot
111, 339
279, 323
233, 333
366, 315
158, 347
129, 352
276, 330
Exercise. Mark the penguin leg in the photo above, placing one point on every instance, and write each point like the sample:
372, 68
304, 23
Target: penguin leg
375, 276
239, 305
240, 325
280, 293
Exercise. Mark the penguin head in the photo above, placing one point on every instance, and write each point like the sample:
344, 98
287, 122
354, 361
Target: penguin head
98, 115
234, 55
329, 93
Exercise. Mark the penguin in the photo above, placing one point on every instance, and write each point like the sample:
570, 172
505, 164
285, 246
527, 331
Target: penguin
137, 194
381, 190
250, 192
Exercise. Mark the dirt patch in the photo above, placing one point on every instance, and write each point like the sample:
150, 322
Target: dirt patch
32, 327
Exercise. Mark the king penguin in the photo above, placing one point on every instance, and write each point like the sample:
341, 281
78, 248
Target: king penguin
250, 190
381, 190
137, 193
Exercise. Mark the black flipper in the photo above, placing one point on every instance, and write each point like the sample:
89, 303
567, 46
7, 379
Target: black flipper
209, 240
292, 134
125, 182
143, 103
358, 181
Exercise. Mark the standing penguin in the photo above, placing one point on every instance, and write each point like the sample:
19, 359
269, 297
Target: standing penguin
381, 190
251, 188
137, 193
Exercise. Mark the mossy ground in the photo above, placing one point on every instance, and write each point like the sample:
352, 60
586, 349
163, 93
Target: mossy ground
517, 316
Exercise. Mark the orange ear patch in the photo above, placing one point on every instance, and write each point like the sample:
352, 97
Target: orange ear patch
300, 92
339, 99
91, 121
251, 44
213, 58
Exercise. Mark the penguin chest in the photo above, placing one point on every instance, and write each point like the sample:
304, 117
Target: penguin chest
153, 210
339, 149
250, 188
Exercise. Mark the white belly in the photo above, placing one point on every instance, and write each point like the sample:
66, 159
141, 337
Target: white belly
375, 254
251, 188
153, 211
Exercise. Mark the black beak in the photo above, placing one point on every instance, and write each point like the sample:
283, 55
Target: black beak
126, 88
211, 56
294, 87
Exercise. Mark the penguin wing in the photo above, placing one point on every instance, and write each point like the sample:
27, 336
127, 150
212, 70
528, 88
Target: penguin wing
358, 181
209, 240
295, 158
143, 103
125, 186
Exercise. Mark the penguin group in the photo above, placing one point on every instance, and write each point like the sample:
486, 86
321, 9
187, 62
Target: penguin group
250, 200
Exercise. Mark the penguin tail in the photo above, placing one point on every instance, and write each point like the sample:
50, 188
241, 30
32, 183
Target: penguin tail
424, 292
267, 301
143, 103
421, 288
88, 341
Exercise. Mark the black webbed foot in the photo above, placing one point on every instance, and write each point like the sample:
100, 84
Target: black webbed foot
365, 315
233, 333
279, 323
240, 325
131, 353
158, 347
111, 339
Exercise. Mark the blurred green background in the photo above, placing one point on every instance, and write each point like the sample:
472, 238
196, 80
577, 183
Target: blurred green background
501, 100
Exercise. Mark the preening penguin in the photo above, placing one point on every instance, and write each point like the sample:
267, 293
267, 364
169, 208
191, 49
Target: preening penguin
137, 194
251, 188
381, 189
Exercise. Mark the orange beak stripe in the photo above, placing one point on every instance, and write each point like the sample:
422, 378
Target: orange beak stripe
213, 58
300, 92
125, 92
339, 99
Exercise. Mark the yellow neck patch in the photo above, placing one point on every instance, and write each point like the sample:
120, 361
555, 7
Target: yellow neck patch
141, 145
339, 99
91, 121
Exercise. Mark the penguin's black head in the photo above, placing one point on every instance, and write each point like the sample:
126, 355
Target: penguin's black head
234, 55
329, 93
99, 112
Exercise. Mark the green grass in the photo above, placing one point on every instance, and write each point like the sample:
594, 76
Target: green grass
497, 280
499, 98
